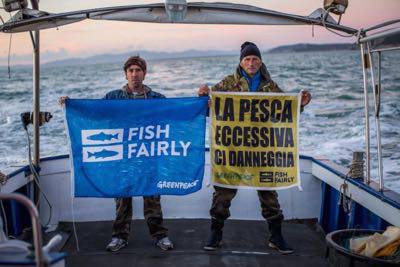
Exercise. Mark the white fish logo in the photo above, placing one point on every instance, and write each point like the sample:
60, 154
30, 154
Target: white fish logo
102, 136
102, 153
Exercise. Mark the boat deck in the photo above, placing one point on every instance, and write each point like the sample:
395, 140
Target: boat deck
244, 244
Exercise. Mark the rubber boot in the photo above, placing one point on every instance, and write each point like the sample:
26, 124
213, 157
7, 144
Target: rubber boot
215, 237
276, 240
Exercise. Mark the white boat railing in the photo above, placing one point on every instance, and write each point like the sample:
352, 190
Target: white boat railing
386, 43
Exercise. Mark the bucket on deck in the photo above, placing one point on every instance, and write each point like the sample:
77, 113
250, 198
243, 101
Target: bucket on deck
338, 252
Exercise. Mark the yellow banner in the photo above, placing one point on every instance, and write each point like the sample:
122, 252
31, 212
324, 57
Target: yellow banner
254, 140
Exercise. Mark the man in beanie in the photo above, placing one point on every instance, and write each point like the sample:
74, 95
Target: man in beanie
135, 71
250, 76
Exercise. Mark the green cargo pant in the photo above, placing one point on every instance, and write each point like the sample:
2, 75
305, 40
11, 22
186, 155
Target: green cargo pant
222, 198
152, 214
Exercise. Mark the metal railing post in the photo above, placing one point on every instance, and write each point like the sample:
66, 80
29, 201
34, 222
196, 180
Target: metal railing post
365, 64
36, 101
377, 93
37, 234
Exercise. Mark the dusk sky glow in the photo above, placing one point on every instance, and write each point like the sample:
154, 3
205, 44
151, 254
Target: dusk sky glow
95, 37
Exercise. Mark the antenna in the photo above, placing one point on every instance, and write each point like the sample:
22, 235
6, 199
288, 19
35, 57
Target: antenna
176, 9
337, 7
13, 5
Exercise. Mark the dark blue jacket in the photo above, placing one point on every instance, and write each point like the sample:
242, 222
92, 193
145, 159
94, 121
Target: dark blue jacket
123, 94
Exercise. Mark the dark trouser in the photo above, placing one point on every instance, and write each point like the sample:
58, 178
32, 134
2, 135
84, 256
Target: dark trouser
222, 198
152, 214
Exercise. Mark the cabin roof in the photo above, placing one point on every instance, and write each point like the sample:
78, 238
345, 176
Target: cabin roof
197, 13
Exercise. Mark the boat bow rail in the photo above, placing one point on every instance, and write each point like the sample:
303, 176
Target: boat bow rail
27, 20
34, 20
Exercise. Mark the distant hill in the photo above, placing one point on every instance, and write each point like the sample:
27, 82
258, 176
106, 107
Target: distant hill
148, 55
152, 55
312, 47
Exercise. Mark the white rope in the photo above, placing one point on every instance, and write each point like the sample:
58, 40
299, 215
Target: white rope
73, 224
3, 210
36, 176
5, 218
63, 109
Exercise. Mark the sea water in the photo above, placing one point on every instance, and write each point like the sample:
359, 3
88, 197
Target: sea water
332, 125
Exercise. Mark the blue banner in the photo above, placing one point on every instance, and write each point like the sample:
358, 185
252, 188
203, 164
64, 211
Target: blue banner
123, 148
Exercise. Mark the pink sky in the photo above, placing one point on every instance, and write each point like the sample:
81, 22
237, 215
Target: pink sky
94, 37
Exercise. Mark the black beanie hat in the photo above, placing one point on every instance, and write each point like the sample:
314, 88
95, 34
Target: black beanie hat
249, 49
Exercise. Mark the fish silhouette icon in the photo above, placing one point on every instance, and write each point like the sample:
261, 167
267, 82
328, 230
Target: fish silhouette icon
103, 137
102, 154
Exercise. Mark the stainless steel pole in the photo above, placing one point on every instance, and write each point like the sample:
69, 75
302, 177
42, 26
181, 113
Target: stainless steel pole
364, 59
35, 4
376, 93
381, 185
36, 101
